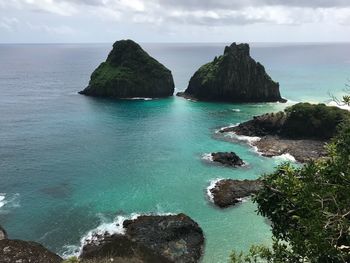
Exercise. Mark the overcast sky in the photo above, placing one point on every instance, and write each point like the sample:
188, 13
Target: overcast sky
41, 21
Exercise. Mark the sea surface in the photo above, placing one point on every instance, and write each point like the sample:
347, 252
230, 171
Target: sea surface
70, 163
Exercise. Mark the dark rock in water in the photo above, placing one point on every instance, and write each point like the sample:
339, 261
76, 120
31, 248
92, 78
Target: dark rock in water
227, 158
12, 251
233, 77
130, 72
3, 234
228, 192
173, 238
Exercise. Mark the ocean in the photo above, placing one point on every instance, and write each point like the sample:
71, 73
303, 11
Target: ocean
71, 163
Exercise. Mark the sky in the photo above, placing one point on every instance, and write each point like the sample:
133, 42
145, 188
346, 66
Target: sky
91, 21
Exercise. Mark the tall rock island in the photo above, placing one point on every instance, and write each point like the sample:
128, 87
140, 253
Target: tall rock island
130, 72
233, 77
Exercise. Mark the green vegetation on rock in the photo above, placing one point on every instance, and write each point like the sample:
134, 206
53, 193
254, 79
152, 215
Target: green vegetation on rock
313, 120
235, 77
130, 72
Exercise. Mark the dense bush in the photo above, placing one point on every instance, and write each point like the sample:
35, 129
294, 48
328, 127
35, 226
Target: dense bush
309, 209
313, 121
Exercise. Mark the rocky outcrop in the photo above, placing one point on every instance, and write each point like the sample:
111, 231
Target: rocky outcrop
227, 158
267, 124
228, 192
3, 234
130, 72
300, 121
301, 130
233, 77
12, 251
171, 238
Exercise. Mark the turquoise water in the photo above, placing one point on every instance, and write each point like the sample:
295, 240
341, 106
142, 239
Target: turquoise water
69, 163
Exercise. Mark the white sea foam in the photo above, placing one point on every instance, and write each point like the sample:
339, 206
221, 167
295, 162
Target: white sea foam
243, 199
139, 98
229, 126
236, 110
212, 184
248, 139
9, 201
2, 199
292, 101
285, 157
207, 157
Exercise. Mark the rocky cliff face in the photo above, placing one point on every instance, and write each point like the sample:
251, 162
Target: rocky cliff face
233, 77
130, 72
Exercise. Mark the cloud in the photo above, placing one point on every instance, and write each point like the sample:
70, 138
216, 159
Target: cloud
8, 23
54, 30
104, 19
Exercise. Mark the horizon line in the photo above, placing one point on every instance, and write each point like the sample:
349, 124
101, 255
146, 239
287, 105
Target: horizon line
189, 42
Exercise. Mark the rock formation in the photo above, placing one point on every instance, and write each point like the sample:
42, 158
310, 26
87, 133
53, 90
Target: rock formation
130, 72
173, 238
228, 192
301, 130
12, 251
233, 77
227, 158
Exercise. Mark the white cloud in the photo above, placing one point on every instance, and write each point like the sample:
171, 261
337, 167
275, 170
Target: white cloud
8, 23
54, 30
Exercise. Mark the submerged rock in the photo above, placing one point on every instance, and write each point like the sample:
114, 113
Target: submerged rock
12, 251
3, 234
172, 238
233, 77
227, 158
130, 72
228, 192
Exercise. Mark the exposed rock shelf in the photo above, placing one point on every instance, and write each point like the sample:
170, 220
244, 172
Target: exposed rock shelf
25, 252
228, 192
234, 77
171, 238
130, 72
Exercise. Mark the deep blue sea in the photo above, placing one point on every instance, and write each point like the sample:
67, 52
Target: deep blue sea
70, 163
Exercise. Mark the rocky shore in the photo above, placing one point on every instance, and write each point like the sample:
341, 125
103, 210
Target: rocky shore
147, 239
301, 130
19, 251
228, 192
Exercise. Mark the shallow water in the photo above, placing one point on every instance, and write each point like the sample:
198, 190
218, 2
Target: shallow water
69, 163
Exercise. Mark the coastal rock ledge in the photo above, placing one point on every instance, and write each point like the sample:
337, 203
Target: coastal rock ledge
12, 251
233, 77
228, 192
129, 72
170, 238
301, 130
